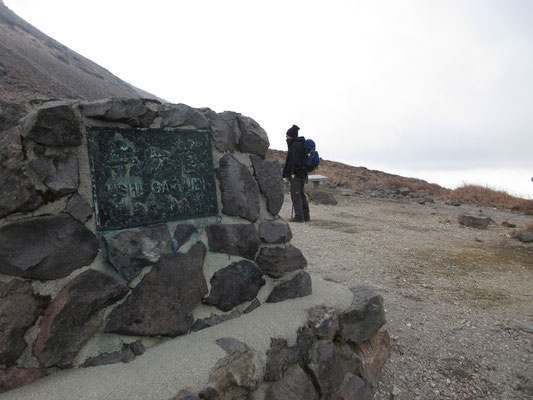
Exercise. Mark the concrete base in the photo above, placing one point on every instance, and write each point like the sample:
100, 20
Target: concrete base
184, 362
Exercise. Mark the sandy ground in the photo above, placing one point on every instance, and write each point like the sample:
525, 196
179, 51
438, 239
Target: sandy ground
459, 300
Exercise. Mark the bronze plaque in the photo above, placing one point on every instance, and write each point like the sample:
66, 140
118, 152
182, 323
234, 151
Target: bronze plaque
143, 176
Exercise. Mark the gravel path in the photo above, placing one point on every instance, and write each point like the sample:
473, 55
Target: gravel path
459, 301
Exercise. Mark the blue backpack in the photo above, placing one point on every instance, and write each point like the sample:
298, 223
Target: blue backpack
311, 159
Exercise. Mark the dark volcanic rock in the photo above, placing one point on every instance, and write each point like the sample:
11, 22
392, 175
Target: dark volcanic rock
18, 192
324, 322
268, 175
525, 237
475, 221
79, 208
18, 308
74, 316
59, 174
279, 358
276, 261
353, 388
224, 129
13, 378
295, 385
298, 286
131, 250
276, 231
133, 112
240, 194
183, 233
127, 354
180, 115
364, 317
185, 395
53, 124
253, 138
162, 303
45, 247
203, 323
239, 240
235, 284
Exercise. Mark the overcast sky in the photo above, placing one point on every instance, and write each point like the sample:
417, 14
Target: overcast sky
434, 89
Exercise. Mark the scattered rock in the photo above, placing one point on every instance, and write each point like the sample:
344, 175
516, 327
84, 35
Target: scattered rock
235, 284
237, 239
475, 221
131, 250
179, 283
47, 247
185, 395
276, 261
525, 237
268, 175
74, 316
127, 354
18, 307
298, 286
275, 232
404, 191
240, 199
455, 203
508, 224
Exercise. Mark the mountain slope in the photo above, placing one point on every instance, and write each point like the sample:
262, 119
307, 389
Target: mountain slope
33, 65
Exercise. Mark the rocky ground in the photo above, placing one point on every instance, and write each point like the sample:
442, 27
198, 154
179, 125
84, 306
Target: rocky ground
459, 300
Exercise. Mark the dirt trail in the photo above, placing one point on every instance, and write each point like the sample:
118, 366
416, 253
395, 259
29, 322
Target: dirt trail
459, 300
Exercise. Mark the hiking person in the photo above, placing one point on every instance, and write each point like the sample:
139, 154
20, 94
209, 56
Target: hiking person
295, 172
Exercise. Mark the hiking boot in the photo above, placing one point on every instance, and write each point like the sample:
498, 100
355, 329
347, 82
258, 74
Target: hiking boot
307, 219
296, 220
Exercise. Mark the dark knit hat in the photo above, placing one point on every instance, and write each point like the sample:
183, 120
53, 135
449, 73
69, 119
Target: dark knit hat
293, 131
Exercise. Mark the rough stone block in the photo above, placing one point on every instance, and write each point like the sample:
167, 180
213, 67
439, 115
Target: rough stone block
240, 193
268, 175
253, 138
298, 286
74, 316
295, 385
131, 250
162, 304
181, 115
59, 174
45, 247
475, 221
13, 378
235, 284
133, 112
364, 317
276, 261
239, 239
275, 232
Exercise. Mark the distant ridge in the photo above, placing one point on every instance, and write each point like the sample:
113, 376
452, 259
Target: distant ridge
33, 65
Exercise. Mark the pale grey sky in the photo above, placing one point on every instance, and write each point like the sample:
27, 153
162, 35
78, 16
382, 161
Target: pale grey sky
437, 89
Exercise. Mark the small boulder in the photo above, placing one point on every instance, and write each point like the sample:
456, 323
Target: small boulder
321, 197
525, 237
475, 221
364, 317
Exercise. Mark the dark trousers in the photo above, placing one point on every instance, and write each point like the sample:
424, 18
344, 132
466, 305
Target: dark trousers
299, 199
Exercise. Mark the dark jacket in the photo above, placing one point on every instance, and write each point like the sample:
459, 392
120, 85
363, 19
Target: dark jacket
294, 164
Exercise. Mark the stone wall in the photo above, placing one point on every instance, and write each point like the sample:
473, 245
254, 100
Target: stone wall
72, 296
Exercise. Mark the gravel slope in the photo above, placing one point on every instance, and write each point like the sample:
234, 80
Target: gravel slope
459, 300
